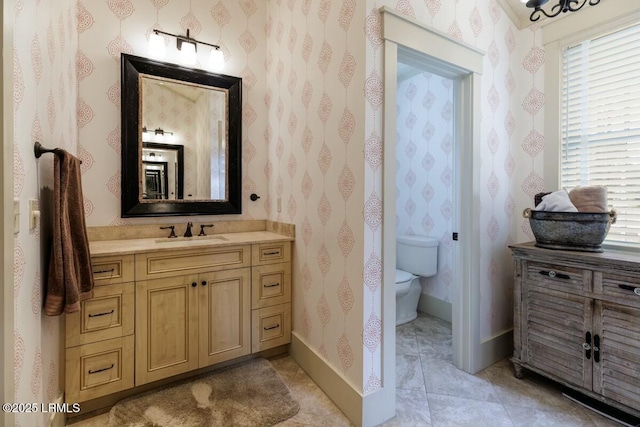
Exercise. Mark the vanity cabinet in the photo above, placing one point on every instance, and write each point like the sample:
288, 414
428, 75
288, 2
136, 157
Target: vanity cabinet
160, 313
189, 321
577, 321
99, 341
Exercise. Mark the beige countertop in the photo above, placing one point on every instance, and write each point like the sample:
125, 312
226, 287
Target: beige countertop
135, 246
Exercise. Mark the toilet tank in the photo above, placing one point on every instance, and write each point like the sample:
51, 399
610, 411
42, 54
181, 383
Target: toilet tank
417, 255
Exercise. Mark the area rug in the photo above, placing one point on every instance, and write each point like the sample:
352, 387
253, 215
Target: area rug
248, 395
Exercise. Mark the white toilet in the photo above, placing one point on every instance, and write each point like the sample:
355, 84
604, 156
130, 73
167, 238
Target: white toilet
416, 256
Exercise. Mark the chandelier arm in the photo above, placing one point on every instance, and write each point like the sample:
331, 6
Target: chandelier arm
536, 14
575, 9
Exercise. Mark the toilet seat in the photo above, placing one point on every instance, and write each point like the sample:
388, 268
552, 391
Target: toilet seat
403, 281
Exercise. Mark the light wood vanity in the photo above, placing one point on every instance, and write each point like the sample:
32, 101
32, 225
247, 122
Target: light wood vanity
165, 307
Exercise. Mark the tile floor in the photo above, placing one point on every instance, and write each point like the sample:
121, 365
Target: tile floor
432, 392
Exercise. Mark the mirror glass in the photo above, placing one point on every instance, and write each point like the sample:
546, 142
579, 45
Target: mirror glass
181, 142
194, 117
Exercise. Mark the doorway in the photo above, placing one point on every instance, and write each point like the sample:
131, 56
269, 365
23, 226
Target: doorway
408, 41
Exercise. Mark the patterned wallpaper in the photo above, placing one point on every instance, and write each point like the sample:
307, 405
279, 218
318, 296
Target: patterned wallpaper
314, 140
44, 94
108, 27
424, 169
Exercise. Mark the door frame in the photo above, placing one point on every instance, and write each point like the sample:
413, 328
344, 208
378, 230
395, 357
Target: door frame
457, 60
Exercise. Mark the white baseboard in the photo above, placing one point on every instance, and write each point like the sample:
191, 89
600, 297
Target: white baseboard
363, 411
339, 390
435, 307
494, 349
57, 419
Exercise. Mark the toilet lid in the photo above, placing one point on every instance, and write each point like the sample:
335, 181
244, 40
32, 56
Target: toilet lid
403, 276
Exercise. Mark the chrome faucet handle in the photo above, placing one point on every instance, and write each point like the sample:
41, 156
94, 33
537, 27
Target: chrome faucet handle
173, 230
202, 226
187, 232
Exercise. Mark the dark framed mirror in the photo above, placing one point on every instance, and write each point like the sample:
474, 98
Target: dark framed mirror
181, 140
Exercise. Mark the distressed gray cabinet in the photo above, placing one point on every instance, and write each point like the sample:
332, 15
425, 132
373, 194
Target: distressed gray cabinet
577, 321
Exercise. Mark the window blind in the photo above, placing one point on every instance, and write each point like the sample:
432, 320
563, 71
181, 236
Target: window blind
600, 123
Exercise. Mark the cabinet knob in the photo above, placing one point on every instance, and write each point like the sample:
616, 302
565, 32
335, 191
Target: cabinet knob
204, 283
194, 284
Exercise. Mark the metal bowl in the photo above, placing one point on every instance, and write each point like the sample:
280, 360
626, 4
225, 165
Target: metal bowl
574, 231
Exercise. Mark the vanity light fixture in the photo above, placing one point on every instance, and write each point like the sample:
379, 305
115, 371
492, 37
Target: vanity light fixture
158, 134
188, 48
563, 6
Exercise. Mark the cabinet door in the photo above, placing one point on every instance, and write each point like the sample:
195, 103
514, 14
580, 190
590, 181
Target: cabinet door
617, 369
225, 315
166, 327
554, 328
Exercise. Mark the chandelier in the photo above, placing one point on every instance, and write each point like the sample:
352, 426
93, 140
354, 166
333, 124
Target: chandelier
563, 6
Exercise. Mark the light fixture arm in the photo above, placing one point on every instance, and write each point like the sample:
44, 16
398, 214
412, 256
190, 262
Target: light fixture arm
563, 6
189, 39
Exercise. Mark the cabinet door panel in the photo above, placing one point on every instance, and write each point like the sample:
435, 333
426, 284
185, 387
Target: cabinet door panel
167, 328
555, 324
616, 375
225, 307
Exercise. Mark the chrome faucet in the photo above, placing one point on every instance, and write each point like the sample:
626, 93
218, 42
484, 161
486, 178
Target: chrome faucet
187, 232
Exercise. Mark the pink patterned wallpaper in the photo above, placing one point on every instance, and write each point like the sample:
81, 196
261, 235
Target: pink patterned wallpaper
424, 169
314, 142
44, 94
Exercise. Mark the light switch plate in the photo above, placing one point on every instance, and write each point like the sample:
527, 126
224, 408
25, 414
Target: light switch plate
34, 214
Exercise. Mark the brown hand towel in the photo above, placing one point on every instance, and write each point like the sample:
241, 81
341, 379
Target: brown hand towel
70, 275
591, 198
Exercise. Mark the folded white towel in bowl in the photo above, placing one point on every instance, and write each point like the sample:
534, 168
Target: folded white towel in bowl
558, 201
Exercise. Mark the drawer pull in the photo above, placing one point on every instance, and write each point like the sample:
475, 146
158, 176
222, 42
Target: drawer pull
101, 314
272, 253
100, 370
272, 327
104, 271
630, 288
271, 286
194, 284
554, 275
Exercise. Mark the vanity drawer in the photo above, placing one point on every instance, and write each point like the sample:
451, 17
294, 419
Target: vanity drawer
108, 270
98, 369
623, 287
558, 277
271, 285
269, 253
271, 327
109, 314
175, 263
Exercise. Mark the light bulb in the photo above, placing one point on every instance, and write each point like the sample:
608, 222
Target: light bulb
216, 60
188, 53
157, 47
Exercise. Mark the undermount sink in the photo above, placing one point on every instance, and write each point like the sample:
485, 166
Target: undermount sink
191, 239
